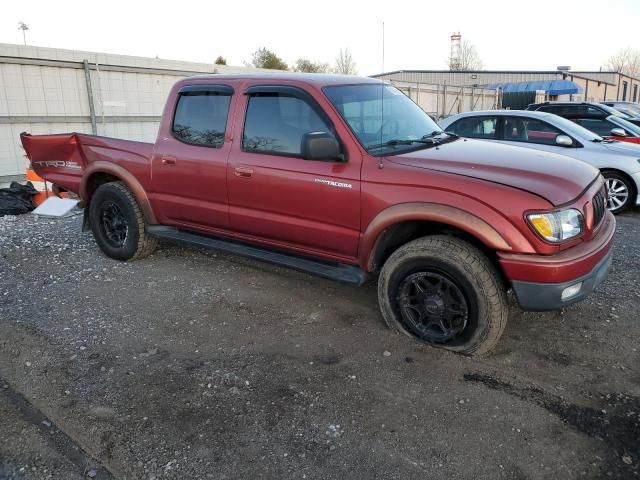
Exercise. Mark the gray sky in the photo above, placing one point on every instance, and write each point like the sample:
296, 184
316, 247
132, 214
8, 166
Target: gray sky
507, 34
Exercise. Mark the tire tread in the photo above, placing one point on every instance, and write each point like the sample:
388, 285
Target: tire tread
475, 264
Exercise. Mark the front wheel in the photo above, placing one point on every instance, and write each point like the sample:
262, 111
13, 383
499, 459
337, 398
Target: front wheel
444, 292
118, 224
620, 192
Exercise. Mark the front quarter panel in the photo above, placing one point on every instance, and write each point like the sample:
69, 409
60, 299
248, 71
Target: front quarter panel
491, 212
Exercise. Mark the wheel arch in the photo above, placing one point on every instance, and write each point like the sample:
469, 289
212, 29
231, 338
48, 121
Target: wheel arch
402, 223
100, 172
622, 173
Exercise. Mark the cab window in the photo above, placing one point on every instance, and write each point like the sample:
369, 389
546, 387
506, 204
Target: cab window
201, 118
275, 123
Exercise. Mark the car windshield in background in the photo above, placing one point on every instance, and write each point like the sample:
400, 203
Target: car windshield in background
614, 111
628, 126
632, 112
383, 118
576, 130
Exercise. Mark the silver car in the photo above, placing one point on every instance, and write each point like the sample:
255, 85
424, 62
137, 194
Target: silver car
619, 162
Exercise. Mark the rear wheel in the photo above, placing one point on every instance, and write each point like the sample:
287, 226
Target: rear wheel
118, 224
621, 193
444, 292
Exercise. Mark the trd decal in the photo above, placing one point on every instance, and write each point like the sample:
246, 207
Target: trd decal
58, 164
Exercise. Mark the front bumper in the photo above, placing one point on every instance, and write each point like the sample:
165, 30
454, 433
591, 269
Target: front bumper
539, 280
537, 296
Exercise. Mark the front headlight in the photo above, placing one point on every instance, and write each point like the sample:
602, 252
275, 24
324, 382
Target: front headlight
557, 226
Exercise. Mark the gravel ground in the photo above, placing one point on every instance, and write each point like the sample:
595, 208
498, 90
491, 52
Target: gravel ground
192, 364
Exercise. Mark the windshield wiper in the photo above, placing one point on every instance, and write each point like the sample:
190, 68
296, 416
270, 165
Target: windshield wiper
449, 138
397, 141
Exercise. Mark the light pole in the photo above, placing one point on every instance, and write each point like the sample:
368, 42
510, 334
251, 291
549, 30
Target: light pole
24, 27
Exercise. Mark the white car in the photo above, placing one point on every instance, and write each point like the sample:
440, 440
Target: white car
619, 162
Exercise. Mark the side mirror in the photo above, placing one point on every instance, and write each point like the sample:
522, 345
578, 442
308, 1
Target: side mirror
618, 132
564, 141
320, 146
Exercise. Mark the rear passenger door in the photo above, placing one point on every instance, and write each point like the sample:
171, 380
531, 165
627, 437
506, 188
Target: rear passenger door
275, 194
189, 166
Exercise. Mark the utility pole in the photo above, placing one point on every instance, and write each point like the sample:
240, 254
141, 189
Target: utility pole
24, 27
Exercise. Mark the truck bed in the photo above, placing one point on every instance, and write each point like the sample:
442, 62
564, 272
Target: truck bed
62, 158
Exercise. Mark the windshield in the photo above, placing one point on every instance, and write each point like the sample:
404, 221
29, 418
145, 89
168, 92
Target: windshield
613, 111
383, 118
628, 108
629, 111
575, 130
628, 126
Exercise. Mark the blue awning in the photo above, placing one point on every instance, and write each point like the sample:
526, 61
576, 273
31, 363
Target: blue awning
551, 87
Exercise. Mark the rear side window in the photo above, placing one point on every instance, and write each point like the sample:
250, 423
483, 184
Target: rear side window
550, 109
276, 123
475, 127
529, 130
201, 118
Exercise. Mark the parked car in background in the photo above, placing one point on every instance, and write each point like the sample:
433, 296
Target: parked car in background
628, 108
611, 127
346, 177
582, 108
619, 162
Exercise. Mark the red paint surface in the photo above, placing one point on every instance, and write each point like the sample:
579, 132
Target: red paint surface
481, 187
635, 140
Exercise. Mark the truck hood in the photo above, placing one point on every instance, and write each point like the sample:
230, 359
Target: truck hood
556, 178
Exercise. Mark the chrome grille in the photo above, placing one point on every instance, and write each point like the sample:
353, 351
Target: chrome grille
599, 207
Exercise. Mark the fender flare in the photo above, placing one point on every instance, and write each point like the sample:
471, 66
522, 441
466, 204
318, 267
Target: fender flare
427, 211
126, 177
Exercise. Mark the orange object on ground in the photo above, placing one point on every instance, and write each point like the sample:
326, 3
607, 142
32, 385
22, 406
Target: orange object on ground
42, 186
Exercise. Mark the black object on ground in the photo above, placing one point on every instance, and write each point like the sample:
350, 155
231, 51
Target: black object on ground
17, 199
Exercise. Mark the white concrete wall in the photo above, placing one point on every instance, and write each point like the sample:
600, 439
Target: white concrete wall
442, 101
51, 95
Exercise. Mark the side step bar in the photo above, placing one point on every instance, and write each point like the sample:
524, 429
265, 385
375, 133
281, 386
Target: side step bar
335, 271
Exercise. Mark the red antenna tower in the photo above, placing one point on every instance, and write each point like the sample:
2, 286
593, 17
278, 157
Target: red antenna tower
455, 60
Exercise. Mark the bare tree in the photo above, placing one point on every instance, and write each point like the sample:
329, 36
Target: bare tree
345, 63
626, 61
469, 58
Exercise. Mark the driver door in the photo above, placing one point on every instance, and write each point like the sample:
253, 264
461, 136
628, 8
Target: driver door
276, 195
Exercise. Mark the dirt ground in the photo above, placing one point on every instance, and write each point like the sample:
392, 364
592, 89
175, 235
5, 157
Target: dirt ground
193, 364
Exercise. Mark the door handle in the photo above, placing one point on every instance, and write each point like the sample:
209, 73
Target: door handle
244, 172
168, 160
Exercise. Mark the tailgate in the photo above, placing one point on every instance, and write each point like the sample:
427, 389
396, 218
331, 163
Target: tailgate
56, 158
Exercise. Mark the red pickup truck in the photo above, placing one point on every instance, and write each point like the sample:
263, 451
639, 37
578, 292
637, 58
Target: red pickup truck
346, 177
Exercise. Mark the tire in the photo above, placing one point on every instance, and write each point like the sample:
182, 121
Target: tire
621, 190
118, 224
463, 303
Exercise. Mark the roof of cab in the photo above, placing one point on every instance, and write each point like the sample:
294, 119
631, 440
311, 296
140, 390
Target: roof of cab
318, 79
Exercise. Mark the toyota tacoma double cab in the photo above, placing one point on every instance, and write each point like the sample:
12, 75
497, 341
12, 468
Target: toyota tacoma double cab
347, 178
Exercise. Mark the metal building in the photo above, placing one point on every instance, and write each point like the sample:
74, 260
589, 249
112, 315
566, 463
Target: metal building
594, 85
